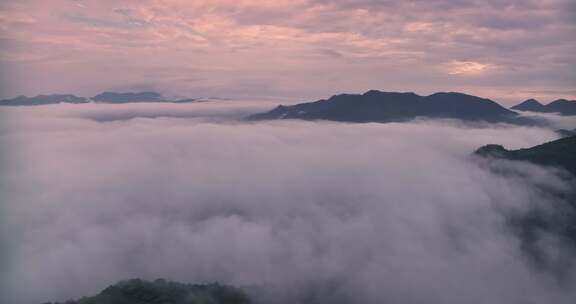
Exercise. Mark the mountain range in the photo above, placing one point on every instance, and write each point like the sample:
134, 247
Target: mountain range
378, 106
372, 106
106, 97
560, 106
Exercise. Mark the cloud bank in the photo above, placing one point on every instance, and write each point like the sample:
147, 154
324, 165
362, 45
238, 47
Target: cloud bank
344, 213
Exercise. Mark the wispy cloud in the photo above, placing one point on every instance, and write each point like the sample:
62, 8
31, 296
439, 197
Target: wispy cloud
469, 68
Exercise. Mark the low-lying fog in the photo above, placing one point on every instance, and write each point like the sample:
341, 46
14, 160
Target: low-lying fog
358, 213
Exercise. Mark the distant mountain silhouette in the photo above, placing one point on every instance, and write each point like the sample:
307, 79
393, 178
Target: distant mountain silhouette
377, 106
137, 291
561, 106
187, 100
106, 97
113, 97
529, 105
560, 153
43, 100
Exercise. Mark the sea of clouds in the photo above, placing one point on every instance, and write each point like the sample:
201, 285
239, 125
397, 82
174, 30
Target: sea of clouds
290, 210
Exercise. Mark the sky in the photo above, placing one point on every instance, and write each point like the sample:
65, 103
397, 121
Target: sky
508, 50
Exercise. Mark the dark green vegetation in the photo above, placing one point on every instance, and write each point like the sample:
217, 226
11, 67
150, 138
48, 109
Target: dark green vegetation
566, 133
138, 291
560, 153
377, 106
547, 232
561, 106
106, 97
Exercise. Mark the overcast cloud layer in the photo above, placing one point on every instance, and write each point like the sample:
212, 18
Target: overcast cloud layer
362, 213
504, 49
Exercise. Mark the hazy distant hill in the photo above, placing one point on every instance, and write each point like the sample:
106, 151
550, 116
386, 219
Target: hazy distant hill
561, 106
162, 292
106, 97
113, 97
43, 100
377, 106
137, 97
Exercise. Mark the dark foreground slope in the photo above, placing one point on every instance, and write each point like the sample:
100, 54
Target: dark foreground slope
560, 106
560, 153
162, 292
546, 231
377, 106
566, 133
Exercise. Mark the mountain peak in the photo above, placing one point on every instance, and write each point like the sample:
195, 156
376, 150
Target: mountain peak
531, 100
491, 150
379, 93
529, 105
372, 92
451, 94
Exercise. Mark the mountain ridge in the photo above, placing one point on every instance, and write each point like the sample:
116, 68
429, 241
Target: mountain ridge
535, 224
529, 105
562, 106
560, 153
102, 98
379, 106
